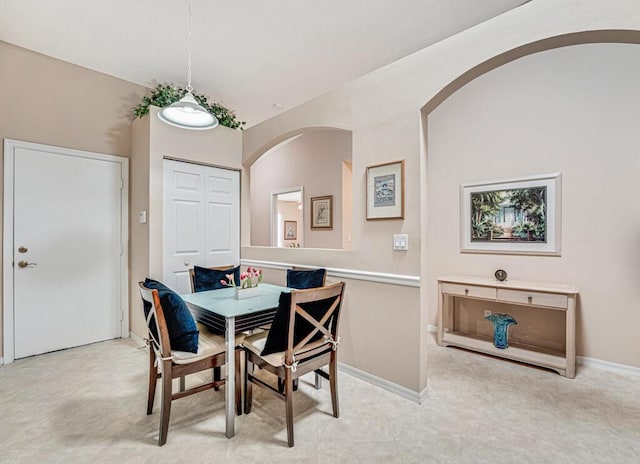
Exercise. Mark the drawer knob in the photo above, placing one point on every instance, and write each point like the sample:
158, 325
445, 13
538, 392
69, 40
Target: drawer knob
466, 292
530, 299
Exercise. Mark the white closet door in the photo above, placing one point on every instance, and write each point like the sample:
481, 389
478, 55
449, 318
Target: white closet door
222, 217
201, 220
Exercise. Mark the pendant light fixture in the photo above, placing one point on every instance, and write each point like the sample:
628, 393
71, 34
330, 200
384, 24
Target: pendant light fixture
186, 112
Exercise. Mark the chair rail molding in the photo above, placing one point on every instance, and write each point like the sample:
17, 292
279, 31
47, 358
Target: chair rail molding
355, 274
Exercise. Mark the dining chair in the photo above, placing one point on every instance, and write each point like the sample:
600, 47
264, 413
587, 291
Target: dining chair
168, 364
303, 338
303, 277
208, 278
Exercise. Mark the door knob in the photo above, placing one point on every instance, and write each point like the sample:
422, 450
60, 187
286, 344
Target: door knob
22, 249
25, 264
186, 263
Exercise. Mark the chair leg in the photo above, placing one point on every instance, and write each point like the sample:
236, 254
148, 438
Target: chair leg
248, 386
153, 380
288, 398
238, 384
182, 383
165, 411
281, 385
217, 375
333, 383
318, 383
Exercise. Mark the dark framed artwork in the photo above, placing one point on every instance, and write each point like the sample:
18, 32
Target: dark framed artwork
322, 213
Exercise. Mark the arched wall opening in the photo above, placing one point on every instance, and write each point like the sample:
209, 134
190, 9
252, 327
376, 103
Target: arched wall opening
564, 104
315, 162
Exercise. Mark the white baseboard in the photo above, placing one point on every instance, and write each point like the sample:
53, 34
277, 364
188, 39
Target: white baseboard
1, 361
140, 342
384, 384
606, 365
432, 328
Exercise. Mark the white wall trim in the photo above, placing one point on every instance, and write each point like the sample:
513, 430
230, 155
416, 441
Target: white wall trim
384, 384
355, 274
139, 341
7, 238
432, 328
609, 366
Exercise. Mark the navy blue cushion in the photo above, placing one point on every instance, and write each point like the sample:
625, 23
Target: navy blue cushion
305, 279
279, 332
209, 279
183, 333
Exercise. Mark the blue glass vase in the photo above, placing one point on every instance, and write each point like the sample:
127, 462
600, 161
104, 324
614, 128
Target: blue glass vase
501, 323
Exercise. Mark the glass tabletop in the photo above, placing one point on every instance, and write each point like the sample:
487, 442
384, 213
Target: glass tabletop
223, 302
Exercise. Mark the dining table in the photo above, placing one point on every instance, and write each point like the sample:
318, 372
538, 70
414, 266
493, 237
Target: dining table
222, 312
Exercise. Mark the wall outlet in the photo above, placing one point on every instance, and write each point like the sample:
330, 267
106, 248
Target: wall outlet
487, 312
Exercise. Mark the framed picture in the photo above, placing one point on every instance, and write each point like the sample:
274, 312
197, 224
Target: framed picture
513, 216
291, 230
385, 191
322, 212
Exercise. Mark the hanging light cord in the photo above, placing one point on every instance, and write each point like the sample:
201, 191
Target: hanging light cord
189, 88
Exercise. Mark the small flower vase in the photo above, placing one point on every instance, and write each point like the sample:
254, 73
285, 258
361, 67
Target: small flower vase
242, 293
501, 323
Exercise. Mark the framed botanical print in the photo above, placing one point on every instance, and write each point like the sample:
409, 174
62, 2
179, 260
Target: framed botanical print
290, 230
322, 213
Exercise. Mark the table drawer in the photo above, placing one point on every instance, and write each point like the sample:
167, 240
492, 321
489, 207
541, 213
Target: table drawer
471, 291
551, 300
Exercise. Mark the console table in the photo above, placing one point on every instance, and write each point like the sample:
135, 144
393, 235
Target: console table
536, 295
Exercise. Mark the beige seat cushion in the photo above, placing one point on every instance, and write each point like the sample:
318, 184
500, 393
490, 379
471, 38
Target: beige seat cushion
209, 344
255, 343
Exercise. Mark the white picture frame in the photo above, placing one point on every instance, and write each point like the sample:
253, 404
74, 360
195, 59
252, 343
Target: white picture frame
513, 216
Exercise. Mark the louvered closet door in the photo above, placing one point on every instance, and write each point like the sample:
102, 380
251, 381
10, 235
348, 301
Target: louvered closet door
201, 220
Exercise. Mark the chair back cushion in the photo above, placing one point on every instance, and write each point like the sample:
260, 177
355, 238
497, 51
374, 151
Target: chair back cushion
305, 279
278, 336
183, 333
210, 279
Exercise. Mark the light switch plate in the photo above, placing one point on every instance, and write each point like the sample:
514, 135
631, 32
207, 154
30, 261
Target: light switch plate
400, 242
142, 217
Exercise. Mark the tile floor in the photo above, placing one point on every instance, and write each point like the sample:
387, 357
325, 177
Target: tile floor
87, 405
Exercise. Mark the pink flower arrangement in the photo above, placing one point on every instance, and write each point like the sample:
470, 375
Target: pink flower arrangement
248, 279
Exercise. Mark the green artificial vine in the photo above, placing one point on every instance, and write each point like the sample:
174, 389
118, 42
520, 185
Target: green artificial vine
165, 95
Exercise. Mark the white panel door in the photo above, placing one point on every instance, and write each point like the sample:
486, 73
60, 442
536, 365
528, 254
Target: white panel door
201, 220
183, 222
222, 225
67, 225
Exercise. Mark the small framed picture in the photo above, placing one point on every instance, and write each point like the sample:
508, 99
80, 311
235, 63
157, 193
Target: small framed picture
291, 230
385, 191
322, 213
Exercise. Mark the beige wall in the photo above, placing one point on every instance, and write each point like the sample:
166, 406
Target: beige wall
572, 110
48, 101
383, 111
312, 160
151, 142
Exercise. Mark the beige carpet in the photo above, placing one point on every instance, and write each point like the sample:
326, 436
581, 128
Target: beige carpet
87, 405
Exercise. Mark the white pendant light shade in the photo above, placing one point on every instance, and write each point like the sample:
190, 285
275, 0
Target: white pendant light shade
187, 114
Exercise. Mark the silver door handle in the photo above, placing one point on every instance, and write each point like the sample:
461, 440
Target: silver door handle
26, 264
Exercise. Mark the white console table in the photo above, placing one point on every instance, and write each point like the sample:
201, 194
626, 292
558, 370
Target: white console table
537, 295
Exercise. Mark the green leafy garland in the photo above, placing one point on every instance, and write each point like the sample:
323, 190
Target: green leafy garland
165, 95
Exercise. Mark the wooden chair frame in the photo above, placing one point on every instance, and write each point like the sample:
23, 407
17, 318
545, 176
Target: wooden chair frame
162, 366
305, 356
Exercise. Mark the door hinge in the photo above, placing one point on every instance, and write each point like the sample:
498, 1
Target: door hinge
121, 315
121, 183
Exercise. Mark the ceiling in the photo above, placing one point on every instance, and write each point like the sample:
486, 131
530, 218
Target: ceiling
257, 57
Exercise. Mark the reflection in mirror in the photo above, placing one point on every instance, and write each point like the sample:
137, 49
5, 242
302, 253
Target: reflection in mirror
287, 218
318, 160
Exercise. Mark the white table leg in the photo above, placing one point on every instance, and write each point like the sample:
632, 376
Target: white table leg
229, 386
